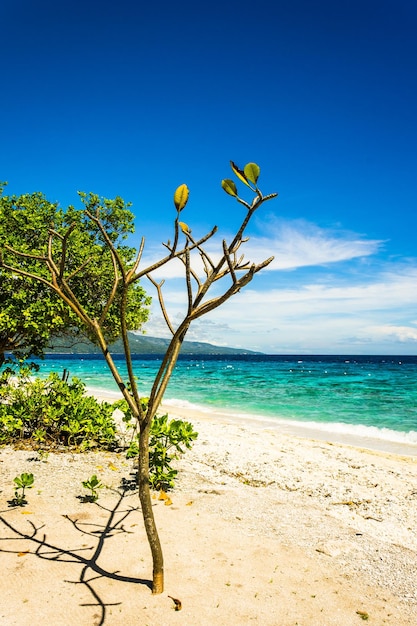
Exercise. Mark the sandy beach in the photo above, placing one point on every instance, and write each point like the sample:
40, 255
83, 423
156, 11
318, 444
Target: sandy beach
264, 527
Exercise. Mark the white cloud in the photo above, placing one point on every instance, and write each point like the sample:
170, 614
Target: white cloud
294, 244
204, 330
385, 292
300, 244
324, 307
341, 314
396, 333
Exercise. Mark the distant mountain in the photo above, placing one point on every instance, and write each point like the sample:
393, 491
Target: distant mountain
141, 344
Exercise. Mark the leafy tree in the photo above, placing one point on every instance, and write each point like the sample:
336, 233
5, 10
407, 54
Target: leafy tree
30, 312
62, 265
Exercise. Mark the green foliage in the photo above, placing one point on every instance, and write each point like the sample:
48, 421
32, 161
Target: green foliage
51, 413
93, 282
43, 455
248, 175
167, 440
30, 310
92, 484
252, 172
22, 482
229, 187
165, 443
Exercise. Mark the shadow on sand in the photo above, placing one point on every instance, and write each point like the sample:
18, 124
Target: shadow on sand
90, 569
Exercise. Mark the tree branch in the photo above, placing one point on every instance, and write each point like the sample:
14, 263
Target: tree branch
229, 263
173, 255
167, 367
64, 249
113, 291
132, 272
25, 254
108, 241
158, 288
188, 281
235, 287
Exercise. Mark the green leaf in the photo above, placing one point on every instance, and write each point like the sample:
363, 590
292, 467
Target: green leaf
27, 479
24, 480
94, 481
239, 173
229, 187
181, 197
252, 171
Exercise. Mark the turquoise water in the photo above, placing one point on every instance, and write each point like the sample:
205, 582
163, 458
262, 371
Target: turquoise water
372, 396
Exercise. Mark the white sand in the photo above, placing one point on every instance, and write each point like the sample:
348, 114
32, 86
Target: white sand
265, 527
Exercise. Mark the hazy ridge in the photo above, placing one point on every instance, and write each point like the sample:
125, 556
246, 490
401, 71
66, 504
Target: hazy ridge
139, 344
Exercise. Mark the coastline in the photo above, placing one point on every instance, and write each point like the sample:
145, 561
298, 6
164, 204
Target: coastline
358, 437
265, 527
355, 396
332, 432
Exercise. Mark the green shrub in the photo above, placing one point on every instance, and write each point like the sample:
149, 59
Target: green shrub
52, 412
167, 440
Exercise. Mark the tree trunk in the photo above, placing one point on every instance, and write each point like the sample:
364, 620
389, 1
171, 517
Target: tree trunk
147, 511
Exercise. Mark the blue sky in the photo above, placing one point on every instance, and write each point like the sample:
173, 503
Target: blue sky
131, 99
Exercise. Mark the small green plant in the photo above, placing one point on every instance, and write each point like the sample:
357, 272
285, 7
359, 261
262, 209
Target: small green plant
43, 455
168, 439
22, 482
93, 484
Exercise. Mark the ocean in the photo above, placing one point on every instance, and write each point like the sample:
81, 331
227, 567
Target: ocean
362, 396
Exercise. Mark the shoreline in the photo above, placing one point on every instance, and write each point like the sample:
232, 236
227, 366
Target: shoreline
332, 432
298, 429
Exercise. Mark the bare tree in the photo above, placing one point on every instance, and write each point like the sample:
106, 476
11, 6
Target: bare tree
230, 268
